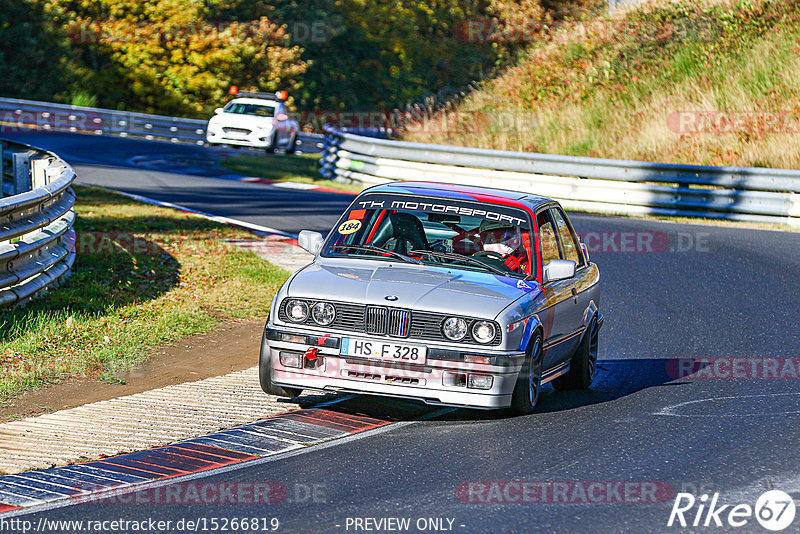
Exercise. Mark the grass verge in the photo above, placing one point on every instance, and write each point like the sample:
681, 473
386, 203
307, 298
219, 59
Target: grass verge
144, 276
300, 168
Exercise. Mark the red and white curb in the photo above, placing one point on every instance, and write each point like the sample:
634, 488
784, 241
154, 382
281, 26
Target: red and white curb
112, 479
267, 437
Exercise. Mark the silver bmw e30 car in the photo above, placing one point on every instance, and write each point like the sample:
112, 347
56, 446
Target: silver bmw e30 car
452, 295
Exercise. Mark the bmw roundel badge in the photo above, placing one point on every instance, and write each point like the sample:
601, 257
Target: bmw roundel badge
391, 298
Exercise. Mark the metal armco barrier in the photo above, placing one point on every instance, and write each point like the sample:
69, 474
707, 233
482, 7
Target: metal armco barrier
591, 184
37, 239
47, 116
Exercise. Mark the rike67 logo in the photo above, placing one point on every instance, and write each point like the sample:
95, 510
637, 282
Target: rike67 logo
774, 510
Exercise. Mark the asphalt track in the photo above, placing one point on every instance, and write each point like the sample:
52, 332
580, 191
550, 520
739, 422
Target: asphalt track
112, 162
697, 292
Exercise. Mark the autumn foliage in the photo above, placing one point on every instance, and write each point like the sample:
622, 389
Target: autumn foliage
180, 56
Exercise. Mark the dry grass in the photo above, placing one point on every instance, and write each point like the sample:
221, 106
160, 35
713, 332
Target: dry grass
643, 93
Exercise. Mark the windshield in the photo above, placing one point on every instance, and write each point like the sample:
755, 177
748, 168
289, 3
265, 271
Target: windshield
251, 109
469, 235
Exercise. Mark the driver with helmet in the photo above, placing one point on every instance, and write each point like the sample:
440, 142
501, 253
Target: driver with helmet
506, 243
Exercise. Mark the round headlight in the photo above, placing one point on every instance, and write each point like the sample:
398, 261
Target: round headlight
323, 313
483, 331
297, 311
455, 328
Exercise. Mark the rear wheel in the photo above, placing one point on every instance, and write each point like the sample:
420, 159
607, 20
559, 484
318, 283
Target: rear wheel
584, 362
265, 374
526, 392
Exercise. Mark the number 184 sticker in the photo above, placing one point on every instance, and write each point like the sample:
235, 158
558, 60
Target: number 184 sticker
349, 227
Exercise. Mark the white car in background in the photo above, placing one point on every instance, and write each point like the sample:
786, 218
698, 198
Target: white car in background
257, 120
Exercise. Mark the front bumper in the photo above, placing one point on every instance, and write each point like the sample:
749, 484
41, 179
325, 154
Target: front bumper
443, 380
256, 138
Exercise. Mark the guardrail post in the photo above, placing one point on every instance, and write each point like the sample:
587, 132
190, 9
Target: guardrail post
21, 171
794, 209
39, 173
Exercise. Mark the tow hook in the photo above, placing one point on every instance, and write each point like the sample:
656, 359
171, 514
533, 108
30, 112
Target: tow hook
312, 358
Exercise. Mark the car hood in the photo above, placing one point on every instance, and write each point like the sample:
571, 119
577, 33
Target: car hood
420, 287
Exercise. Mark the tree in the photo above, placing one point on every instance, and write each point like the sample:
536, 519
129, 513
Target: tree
174, 56
35, 57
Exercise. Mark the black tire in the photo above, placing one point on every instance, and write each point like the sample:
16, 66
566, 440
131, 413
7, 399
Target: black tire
583, 367
526, 392
265, 374
292, 148
271, 147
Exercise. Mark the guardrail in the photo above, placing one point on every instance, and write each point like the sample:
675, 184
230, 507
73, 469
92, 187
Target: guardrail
37, 239
590, 184
50, 117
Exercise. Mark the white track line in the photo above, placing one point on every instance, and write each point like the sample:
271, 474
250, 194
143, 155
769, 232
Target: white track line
216, 218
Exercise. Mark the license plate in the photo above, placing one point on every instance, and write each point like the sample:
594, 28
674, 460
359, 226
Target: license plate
388, 352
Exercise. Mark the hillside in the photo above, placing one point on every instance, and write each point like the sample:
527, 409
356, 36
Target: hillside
705, 82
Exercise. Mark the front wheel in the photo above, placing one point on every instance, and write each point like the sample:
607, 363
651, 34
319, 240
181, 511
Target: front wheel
529, 381
265, 374
292, 148
583, 366
270, 149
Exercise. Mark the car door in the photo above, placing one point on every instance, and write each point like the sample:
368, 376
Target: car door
570, 249
558, 315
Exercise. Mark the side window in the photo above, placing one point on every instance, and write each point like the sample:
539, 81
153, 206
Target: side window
547, 237
569, 243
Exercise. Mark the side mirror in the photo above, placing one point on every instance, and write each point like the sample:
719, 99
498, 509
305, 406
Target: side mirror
585, 250
218, 111
311, 241
558, 270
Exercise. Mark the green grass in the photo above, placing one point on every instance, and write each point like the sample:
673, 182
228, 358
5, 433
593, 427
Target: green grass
300, 168
144, 276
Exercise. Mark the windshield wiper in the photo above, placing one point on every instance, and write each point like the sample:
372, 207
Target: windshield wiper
460, 257
373, 248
